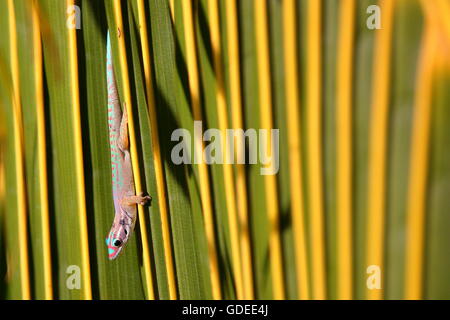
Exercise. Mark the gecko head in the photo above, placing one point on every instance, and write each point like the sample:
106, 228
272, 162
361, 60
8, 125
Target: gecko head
118, 237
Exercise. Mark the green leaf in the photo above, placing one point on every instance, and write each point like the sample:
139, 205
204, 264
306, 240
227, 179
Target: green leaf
12, 289
257, 207
191, 265
406, 48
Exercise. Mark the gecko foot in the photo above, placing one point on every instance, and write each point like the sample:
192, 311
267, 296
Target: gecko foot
141, 199
144, 199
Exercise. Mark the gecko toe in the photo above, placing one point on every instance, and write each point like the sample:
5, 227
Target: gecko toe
145, 200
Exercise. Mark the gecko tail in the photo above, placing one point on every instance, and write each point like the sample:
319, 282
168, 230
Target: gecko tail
114, 110
113, 96
109, 62
108, 49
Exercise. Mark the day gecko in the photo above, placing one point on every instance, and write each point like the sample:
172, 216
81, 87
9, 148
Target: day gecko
125, 199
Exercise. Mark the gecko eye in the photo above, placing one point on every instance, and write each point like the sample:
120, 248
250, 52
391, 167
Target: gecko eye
126, 232
117, 243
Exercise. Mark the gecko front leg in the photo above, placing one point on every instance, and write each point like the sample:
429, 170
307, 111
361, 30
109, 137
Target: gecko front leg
123, 144
138, 199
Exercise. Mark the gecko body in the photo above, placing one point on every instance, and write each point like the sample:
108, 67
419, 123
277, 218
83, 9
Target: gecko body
125, 199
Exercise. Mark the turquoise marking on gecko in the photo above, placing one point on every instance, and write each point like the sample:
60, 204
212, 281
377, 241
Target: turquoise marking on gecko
125, 199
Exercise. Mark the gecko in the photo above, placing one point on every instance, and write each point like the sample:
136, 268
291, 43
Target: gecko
124, 196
